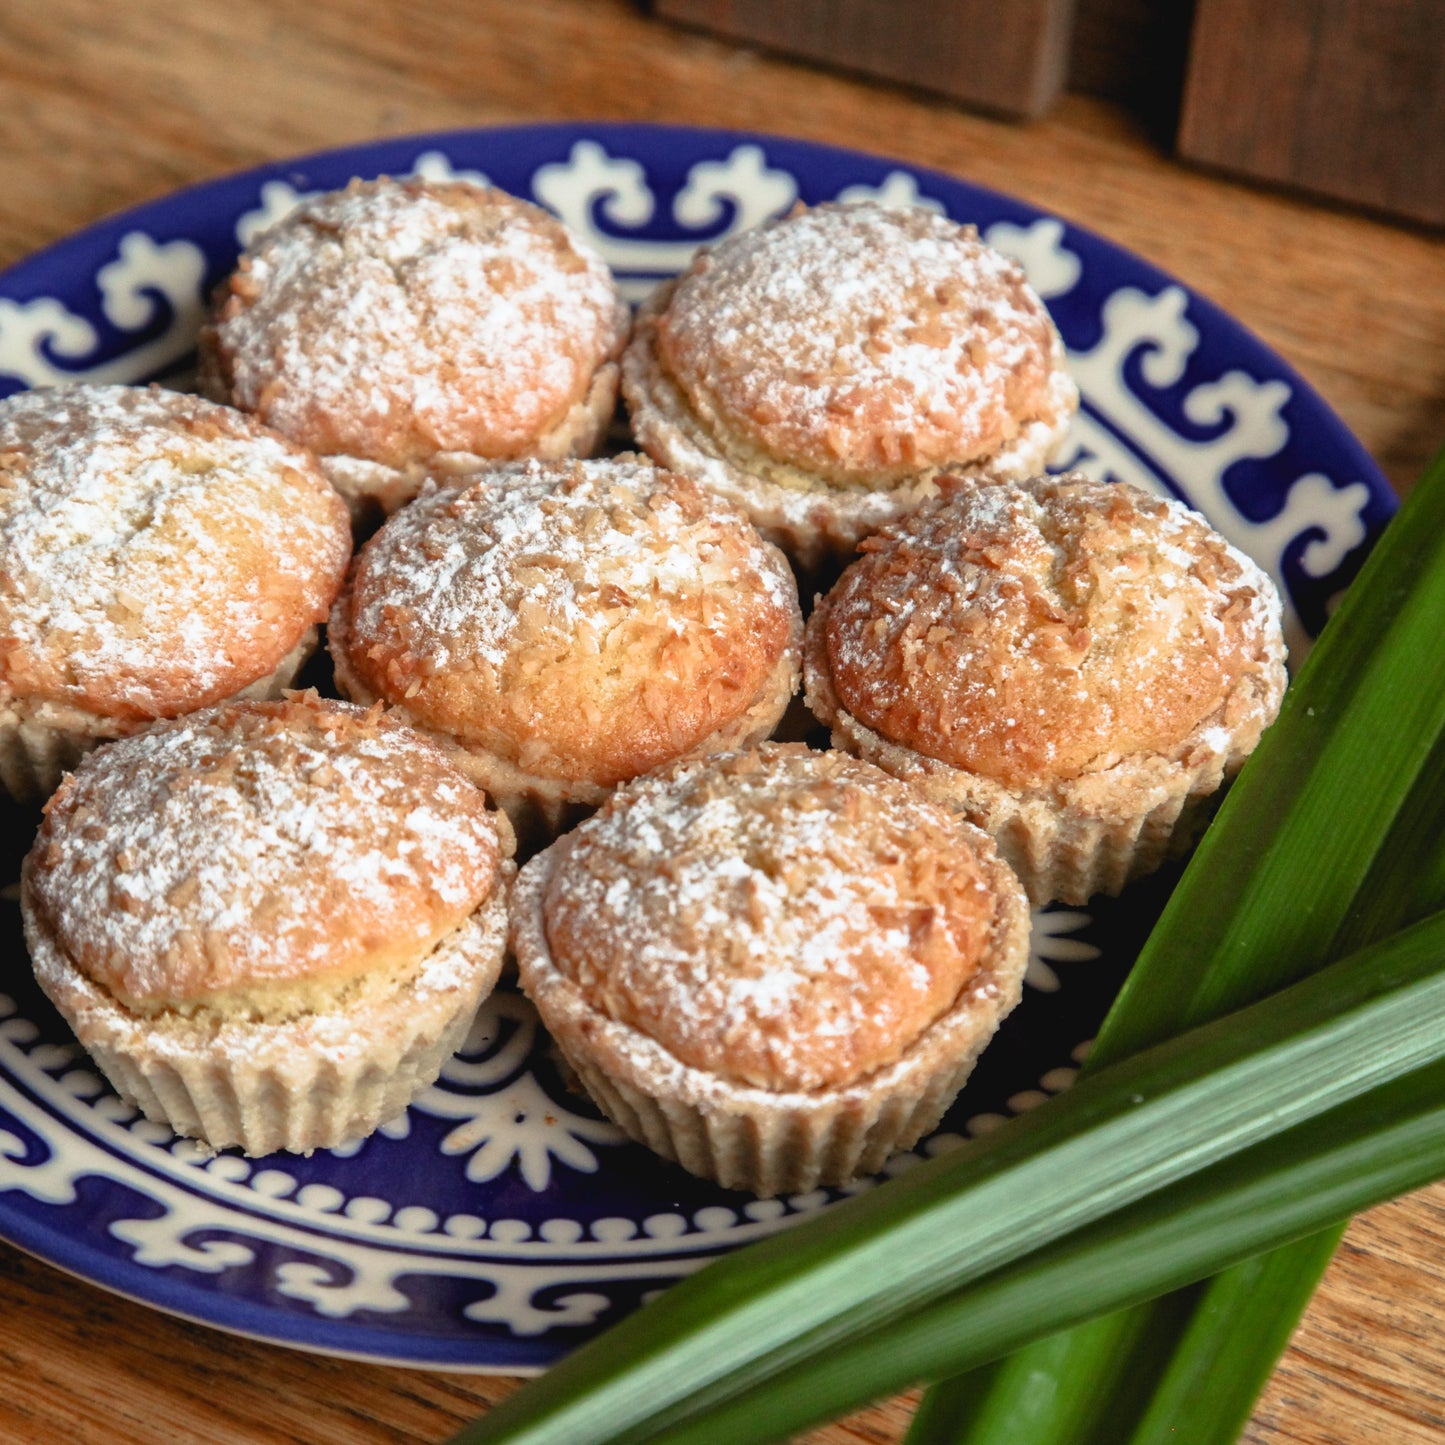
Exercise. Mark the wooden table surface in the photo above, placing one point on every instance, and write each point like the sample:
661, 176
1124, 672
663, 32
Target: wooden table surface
106, 104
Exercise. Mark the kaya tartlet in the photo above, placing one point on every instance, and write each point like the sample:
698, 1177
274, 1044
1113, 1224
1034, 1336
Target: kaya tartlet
399, 328
270, 924
158, 553
1075, 666
569, 625
776, 967
822, 369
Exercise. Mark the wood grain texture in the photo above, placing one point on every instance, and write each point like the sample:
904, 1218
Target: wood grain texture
1343, 97
1010, 59
107, 105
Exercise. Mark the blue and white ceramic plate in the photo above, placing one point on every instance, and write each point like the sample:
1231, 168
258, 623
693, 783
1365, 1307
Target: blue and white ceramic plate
500, 1221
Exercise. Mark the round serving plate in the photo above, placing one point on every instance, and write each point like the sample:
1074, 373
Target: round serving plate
501, 1221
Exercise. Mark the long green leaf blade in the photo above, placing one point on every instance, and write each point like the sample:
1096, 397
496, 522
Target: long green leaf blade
1330, 884
1182, 1366
1242, 1321
1308, 822
1237, 1331
1129, 1130
1385, 1143
1015, 1401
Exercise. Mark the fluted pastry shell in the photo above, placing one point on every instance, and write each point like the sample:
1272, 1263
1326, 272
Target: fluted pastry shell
269, 923
1078, 669
402, 329
776, 967
158, 553
333, 1071
566, 626
822, 370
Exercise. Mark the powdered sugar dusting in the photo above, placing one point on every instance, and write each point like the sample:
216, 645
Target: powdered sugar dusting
784, 918
467, 574
584, 619
1036, 632
257, 843
393, 321
159, 552
862, 339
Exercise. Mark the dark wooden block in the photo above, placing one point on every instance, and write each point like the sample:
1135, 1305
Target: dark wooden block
1133, 52
1342, 97
1009, 57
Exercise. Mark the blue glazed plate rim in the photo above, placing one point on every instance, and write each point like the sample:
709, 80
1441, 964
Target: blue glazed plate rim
185, 1296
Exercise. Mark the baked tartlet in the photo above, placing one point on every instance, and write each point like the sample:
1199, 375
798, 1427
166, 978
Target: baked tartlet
569, 625
406, 328
821, 370
270, 924
1075, 666
158, 553
776, 967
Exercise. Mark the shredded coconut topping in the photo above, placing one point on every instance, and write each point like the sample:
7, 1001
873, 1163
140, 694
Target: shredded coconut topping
157, 552
394, 321
783, 918
592, 618
255, 844
863, 343
1035, 632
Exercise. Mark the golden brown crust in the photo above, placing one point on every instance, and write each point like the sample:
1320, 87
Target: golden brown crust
860, 343
41, 741
396, 322
581, 621
338, 1063
1032, 633
820, 371
711, 954
780, 918
238, 858
542, 808
372, 491
1104, 814
158, 552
